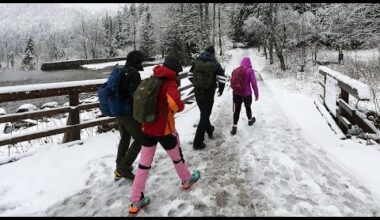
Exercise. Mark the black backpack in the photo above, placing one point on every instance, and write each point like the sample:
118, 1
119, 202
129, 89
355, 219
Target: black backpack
203, 77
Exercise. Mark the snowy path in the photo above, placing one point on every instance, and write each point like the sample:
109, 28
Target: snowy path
268, 169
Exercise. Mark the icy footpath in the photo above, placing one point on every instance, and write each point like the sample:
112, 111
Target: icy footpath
268, 169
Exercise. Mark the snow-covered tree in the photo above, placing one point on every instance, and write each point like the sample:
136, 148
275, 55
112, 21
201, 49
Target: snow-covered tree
28, 61
147, 39
109, 35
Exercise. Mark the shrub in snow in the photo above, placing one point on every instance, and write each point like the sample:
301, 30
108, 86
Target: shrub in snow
91, 99
26, 108
50, 105
2, 111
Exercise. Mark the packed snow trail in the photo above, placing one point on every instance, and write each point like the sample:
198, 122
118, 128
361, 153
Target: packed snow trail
267, 169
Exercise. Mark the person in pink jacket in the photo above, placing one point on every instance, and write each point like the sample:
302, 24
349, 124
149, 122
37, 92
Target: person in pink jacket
246, 97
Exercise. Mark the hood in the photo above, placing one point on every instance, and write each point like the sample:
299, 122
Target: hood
164, 72
246, 62
206, 56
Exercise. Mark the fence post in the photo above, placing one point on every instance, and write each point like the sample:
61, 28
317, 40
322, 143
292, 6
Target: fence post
344, 96
73, 119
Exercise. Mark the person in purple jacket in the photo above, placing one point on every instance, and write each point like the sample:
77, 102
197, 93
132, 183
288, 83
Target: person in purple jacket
246, 97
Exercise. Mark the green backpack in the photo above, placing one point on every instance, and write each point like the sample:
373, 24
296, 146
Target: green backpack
203, 77
145, 99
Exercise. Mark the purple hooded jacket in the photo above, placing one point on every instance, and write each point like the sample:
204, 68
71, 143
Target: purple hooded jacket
250, 79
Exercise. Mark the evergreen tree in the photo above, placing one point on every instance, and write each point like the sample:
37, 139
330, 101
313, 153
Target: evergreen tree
109, 35
29, 56
147, 41
120, 37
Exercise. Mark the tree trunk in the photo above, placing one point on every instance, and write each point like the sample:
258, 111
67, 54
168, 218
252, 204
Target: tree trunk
84, 40
201, 14
271, 51
207, 25
213, 24
93, 49
220, 33
315, 54
303, 51
6, 52
265, 51
340, 56
273, 7
279, 55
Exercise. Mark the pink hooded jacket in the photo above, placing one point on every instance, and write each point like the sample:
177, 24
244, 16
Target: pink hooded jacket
251, 78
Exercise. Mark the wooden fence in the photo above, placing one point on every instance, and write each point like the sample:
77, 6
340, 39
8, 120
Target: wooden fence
338, 102
70, 89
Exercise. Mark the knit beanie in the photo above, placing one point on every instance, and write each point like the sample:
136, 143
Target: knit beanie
173, 64
210, 49
135, 59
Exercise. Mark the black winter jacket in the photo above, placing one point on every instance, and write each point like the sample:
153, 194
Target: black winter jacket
219, 76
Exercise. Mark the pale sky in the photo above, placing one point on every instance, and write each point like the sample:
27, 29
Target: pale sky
111, 7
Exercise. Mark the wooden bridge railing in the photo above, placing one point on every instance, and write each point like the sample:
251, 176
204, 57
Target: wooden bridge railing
337, 102
70, 89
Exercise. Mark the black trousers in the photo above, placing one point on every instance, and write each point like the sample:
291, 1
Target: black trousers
205, 102
126, 154
237, 101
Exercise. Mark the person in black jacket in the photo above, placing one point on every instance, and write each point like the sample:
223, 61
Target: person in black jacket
205, 98
128, 126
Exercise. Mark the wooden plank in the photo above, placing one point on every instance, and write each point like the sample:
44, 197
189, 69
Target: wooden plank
96, 122
343, 95
30, 136
35, 114
34, 135
321, 84
346, 107
185, 87
183, 75
329, 119
321, 98
187, 99
345, 122
73, 119
344, 86
87, 106
33, 94
365, 124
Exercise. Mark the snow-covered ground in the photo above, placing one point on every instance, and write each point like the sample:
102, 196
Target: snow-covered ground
289, 163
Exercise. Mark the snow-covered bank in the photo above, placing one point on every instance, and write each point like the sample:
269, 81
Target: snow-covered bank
360, 159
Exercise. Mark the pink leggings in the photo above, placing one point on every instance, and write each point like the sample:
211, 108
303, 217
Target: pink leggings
146, 158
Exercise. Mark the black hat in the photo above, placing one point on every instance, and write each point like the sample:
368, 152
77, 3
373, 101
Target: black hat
210, 49
135, 58
173, 63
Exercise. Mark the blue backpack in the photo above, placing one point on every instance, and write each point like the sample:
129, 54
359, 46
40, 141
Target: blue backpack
111, 102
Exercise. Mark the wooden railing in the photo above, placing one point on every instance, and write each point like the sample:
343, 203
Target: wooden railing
70, 89
338, 102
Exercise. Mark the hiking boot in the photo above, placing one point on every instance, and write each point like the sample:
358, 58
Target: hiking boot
118, 174
233, 131
194, 178
134, 208
200, 147
251, 121
210, 134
